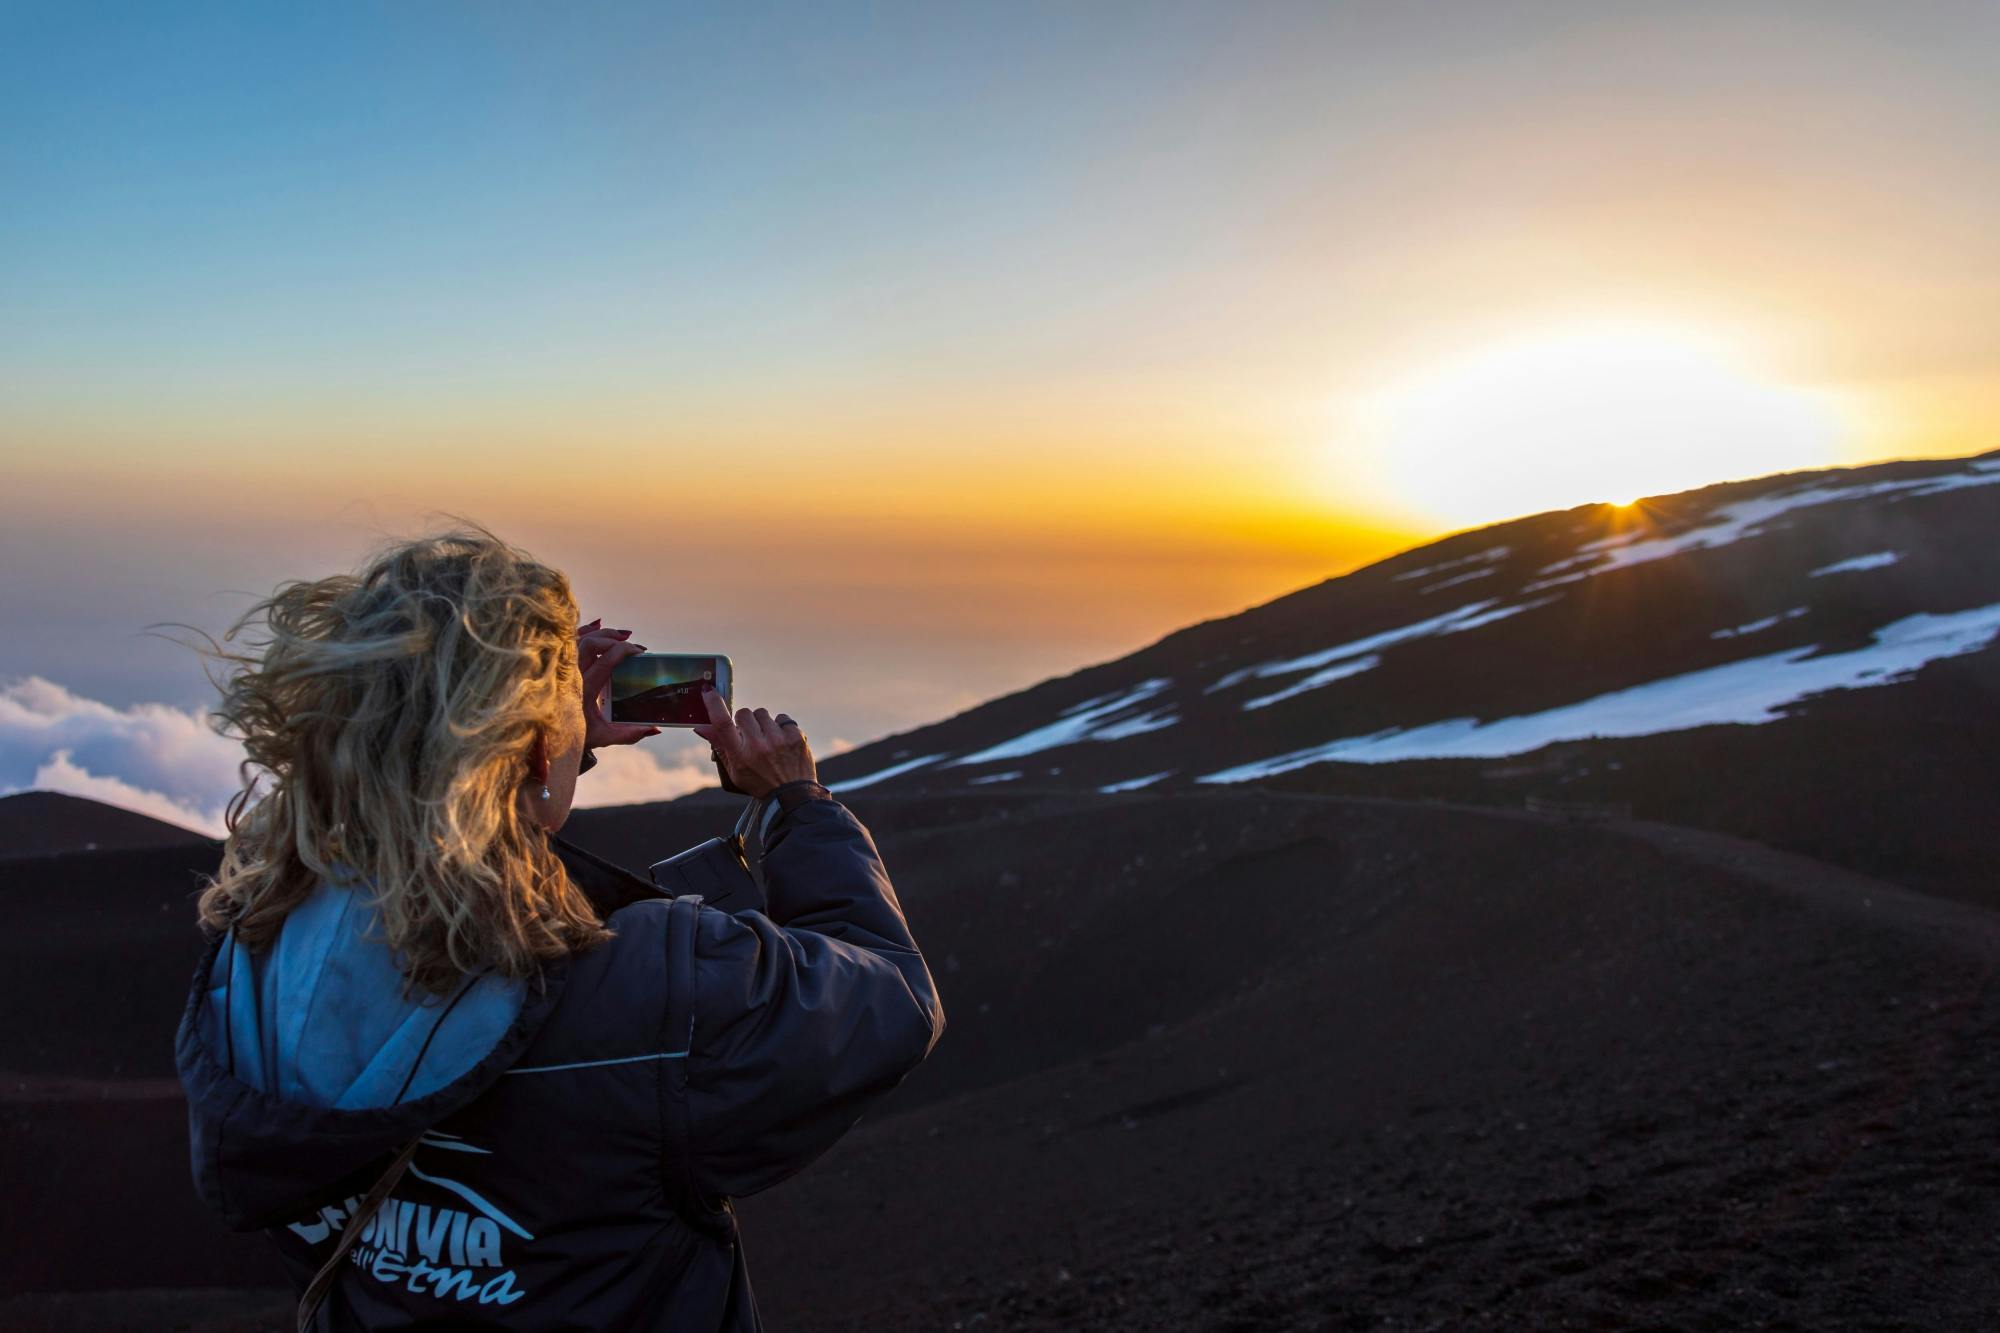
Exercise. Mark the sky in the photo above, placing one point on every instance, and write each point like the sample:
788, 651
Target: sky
913, 354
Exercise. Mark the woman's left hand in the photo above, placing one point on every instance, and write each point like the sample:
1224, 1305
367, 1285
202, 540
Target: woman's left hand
598, 651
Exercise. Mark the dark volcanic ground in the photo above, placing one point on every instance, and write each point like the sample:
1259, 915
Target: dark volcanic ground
41, 823
1417, 1069
1240, 1060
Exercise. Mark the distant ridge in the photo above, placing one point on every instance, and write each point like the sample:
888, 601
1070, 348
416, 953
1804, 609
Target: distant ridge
1809, 660
43, 823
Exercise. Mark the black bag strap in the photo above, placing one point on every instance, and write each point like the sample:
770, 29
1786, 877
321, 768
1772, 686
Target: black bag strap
751, 826
350, 1231
329, 1271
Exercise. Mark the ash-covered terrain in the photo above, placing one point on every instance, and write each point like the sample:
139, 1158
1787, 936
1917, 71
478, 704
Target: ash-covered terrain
1219, 1059
1322, 1027
42, 823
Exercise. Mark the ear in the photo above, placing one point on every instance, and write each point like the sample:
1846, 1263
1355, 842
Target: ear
538, 758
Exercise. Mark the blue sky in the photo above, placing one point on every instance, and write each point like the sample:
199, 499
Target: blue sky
916, 353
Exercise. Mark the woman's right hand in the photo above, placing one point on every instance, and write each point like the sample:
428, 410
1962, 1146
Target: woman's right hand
755, 752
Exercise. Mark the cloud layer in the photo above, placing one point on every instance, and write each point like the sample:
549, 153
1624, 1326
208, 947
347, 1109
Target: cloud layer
165, 761
634, 774
153, 758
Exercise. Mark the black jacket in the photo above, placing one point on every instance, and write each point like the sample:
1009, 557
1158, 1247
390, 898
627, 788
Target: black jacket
581, 1137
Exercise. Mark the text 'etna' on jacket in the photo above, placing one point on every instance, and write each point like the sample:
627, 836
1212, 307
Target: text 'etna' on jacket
581, 1136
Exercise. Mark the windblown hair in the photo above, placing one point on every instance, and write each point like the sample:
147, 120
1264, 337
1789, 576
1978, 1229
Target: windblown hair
395, 709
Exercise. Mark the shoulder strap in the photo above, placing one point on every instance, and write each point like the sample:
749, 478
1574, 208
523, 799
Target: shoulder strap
751, 826
316, 1290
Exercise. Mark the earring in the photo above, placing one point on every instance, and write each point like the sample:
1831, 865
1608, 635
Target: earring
545, 791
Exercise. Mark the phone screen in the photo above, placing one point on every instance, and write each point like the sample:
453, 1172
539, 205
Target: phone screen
665, 688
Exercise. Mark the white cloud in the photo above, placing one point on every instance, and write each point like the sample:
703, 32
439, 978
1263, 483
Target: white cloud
60, 774
153, 758
166, 762
635, 774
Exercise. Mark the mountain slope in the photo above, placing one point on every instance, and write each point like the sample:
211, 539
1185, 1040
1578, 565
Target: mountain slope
38, 823
1806, 659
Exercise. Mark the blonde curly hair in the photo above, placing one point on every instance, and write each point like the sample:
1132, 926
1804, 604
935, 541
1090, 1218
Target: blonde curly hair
396, 709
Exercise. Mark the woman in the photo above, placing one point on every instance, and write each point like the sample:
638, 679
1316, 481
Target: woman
538, 1085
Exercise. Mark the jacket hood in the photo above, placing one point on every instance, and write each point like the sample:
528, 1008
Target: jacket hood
305, 1066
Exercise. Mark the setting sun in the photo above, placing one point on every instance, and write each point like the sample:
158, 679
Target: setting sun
1604, 414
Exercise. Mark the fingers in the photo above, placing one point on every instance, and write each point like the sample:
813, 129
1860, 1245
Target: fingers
754, 751
720, 730
760, 750
775, 734
590, 650
598, 673
592, 640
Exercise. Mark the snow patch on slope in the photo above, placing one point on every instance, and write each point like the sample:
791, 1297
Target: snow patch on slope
1745, 518
1359, 655
1499, 613
1486, 557
1338, 671
1756, 626
1879, 560
1136, 726
893, 770
1089, 720
1750, 692
1092, 701
885, 773
1454, 581
1355, 648
1133, 784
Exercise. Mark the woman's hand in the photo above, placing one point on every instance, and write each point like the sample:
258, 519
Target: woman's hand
598, 651
755, 752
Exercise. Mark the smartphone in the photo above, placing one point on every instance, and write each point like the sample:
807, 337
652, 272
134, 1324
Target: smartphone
665, 688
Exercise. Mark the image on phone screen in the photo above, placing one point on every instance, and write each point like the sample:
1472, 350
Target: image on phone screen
665, 688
